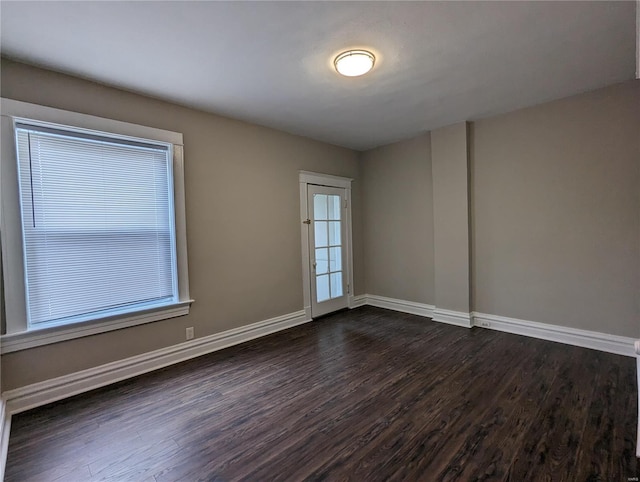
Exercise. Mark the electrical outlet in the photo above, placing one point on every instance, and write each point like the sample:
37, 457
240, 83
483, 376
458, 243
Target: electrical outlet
190, 334
486, 324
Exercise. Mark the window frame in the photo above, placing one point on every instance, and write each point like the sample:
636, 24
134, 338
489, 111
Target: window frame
19, 335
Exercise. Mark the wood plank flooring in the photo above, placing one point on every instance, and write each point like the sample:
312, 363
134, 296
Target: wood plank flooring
362, 395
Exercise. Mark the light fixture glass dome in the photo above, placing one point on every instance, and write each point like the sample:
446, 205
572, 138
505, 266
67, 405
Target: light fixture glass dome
353, 63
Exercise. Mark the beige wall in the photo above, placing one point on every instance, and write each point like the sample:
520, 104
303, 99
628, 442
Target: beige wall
554, 206
556, 212
242, 197
451, 217
398, 220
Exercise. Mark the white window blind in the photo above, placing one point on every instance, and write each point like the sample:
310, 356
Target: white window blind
98, 224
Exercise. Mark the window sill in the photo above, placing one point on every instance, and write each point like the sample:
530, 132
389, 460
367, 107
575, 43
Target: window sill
47, 335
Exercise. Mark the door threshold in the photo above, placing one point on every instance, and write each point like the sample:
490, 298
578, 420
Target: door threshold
326, 315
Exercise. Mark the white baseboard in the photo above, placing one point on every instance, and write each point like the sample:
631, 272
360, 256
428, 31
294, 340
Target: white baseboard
619, 345
38, 394
637, 350
5, 430
458, 318
357, 301
403, 306
421, 309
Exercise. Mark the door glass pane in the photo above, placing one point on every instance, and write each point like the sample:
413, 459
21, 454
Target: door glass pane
335, 259
334, 207
321, 233
322, 287
336, 284
334, 233
322, 260
320, 206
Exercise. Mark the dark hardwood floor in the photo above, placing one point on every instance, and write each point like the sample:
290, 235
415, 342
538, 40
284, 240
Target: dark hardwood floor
363, 395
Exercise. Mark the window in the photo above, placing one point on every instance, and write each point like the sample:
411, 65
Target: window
95, 237
97, 223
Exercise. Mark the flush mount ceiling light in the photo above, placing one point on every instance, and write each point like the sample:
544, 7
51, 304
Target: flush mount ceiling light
353, 63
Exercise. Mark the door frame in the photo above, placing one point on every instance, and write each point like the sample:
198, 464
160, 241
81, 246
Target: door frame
306, 178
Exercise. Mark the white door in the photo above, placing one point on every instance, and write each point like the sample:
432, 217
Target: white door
327, 249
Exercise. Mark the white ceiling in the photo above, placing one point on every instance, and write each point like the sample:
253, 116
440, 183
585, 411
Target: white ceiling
270, 62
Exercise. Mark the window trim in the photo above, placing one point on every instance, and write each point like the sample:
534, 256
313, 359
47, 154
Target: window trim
18, 335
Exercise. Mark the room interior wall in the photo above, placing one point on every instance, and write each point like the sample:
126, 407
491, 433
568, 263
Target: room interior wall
242, 210
556, 212
397, 218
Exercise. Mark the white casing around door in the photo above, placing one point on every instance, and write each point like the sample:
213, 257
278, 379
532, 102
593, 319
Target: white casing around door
316, 255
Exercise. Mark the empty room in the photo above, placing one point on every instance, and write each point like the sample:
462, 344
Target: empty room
367, 241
